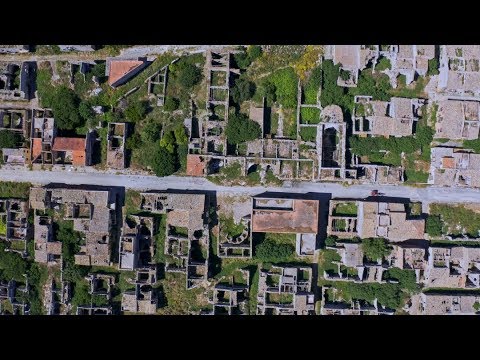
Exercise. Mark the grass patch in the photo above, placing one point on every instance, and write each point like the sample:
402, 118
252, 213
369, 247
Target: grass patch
309, 115
346, 209
17, 190
308, 134
133, 201
457, 220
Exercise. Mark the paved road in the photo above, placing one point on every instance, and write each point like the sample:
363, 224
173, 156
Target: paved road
142, 182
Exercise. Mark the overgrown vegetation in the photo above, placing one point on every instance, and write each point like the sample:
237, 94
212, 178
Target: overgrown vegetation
18, 190
375, 248
456, 220
240, 129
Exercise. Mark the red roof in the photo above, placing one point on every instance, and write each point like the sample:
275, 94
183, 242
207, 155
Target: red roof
75, 145
66, 144
195, 165
120, 68
36, 148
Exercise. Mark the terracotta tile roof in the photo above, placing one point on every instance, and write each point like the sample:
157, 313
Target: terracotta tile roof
75, 145
195, 165
36, 148
448, 163
69, 144
120, 68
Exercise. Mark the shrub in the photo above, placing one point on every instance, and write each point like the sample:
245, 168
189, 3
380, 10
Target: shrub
134, 142
345, 74
313, 85
151, 131
434, 225
285, 81
85, 110
270, 251
65, 104
331, 240
171, 104
188, 75
375, 248
433, 67
12, 266
168, 142
163, 162
331, 92
254, 52
267, 90
308, 134
242, 90
240, 129
9, 139
136, 111
406, 278
310, 115
383, 64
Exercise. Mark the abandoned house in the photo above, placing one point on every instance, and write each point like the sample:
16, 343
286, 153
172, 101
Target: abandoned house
372, 219
453, 267
116, 138
236, 246
142, 299
137, 247
409, 257
17, 121
459, 70
287, 215
48, 148
352, 59
448, 304
120, 71
379, 174
93, 212
285, 291
14, 224
101, 285
457, 120
354, 266
385, 118
17, 80
330, 305
454, 167
187, 233
157, 84
230, 296
47, 250
90, 310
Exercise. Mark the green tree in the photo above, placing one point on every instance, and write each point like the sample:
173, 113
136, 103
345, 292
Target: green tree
254, 52
240, 129
12, 265
433, 67
85, 110
267, 90
9, 139
242, 59
134, 141
331, 240
151, 132
270, 251
65, 104
136, 111
434, 225
168, 142
406, 278
242, 90
375, 248
171, 104
188, 75
98, 70
163, 162
180, 135
383, 64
